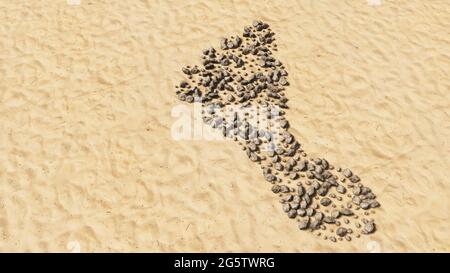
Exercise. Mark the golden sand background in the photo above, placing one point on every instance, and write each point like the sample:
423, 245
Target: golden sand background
86, 155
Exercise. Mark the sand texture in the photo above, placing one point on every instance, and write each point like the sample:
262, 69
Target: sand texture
88, 162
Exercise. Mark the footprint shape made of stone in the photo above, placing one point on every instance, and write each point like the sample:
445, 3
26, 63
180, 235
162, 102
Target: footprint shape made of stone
241, 88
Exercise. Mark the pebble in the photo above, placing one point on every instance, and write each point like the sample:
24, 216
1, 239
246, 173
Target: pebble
335, 214
314, 225
300, 190
301, 212
341, 189
292, 213
374, 204
369, 227
325, 201
319, 216
356, 200
310, 191
354, 179
276, 189
285, 189
364, 205
347, 173
322, 191
278, 167
288, 198
303, 204
341, 231
186, 71
356, 190
303, 224
302, 165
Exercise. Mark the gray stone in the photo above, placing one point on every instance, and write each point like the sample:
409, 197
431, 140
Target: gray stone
356, 190
303, 224
310, 211
341, 232
369, 227
275, 159
329, 220
335, 214
284, 189
354, 179
341, 189
356, 200
292, 213
346, 212
278, 167
325, 201
311, 191
315, 225
322, 191
295, 205
276, 188
270, 177
300, 190
288, 197
283, 81
302, 165
347, 173
319, 216
301, 212
374, 204
364, 205
318, 169
303, 204
186, 71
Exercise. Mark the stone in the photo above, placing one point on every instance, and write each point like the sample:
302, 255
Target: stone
356, 200
303, 224
335, 214
310, 211
368, 228
354, 179
347, 173
341, 232
292, 213
341, 189
301, 212
364, 205
325, 201
346, 212
276, 188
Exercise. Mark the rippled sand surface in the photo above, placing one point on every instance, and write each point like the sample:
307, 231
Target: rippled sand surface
87, 161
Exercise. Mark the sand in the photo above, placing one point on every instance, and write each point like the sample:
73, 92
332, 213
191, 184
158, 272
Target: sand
88, 163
